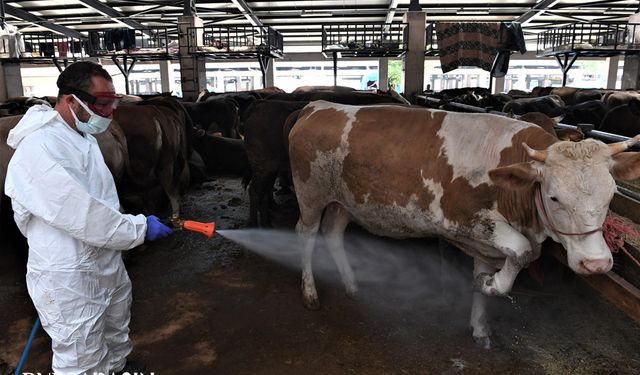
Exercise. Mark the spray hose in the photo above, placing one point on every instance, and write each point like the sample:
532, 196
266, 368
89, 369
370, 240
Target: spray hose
208, 229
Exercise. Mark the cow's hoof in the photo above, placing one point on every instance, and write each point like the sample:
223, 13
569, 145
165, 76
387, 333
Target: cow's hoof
311, 303
483, 342
352, 293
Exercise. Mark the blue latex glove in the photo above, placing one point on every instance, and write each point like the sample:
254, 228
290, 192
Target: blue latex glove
155, 229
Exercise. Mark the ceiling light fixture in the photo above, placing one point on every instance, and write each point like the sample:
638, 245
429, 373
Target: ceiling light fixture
312, 13
471, 12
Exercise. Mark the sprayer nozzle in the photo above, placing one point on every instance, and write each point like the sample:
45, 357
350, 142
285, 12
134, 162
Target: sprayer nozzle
205, 228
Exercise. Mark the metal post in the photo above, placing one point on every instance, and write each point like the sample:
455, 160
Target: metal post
124, 69
264, 61
414, 57
335, 68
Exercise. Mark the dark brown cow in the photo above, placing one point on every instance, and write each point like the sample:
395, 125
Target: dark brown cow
268, 91
263, 129
158, 138
550, 105
574, 95
215, 115
243, 98
266, 152
587, 112
623, 119
222, 155
496, 192
303, 89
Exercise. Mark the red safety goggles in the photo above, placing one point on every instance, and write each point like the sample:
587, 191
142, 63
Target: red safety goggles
102, 103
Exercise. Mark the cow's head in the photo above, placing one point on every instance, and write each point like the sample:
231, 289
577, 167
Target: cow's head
574, 183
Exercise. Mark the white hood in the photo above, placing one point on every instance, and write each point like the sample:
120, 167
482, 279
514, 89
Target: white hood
36, 117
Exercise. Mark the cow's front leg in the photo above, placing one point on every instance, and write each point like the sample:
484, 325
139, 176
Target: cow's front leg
501, 282
519, 252
479, 321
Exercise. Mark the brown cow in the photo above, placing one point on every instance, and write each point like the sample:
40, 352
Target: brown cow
407, 172
548, 124
574, 95
266, 153
617, 98
158, 138
550, 105
303, 89
264, 92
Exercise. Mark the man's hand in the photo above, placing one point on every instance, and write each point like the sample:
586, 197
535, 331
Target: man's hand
155, 229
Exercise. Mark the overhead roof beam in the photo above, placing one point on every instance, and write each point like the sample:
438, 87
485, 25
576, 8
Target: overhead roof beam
112, 13
391, 12
21, 14
537, 10
569, 17
247, 12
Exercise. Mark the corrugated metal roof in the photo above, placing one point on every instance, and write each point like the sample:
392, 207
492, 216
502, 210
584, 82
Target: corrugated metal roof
300, 21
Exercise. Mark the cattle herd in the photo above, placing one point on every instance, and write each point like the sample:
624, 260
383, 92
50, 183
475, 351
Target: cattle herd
610, 111
494, 186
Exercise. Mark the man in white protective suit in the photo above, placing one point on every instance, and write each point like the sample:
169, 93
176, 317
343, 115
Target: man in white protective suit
65, 203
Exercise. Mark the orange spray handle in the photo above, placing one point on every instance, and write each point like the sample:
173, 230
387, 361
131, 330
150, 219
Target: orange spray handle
195, 226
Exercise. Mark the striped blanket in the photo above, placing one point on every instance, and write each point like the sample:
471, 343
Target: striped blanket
467, 44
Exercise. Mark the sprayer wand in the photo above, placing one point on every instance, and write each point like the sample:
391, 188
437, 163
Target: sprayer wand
207, 229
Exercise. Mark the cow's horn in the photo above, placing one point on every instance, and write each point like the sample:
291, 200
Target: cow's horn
622, 146
540, 156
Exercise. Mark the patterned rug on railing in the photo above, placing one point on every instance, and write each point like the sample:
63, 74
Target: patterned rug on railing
467, 44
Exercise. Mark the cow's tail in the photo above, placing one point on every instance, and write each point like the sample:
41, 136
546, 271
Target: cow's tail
235, 127
246, 179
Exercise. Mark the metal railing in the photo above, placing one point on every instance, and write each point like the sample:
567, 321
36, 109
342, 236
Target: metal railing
357, 37
609, 36
43, 46
125, 41
235, 40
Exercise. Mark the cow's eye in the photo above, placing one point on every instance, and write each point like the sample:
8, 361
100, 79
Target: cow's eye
554, 199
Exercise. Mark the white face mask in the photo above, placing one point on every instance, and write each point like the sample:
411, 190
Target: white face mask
96, 123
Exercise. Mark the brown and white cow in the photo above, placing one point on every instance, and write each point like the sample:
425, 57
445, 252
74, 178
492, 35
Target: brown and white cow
495, 187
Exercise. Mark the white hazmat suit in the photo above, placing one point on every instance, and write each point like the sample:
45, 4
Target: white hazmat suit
65, 203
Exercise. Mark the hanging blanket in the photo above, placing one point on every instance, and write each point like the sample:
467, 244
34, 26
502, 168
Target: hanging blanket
467, 44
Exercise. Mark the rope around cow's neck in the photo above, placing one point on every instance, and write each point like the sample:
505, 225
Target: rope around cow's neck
542, 211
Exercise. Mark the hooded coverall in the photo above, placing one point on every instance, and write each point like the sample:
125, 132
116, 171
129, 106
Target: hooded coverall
65, 203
